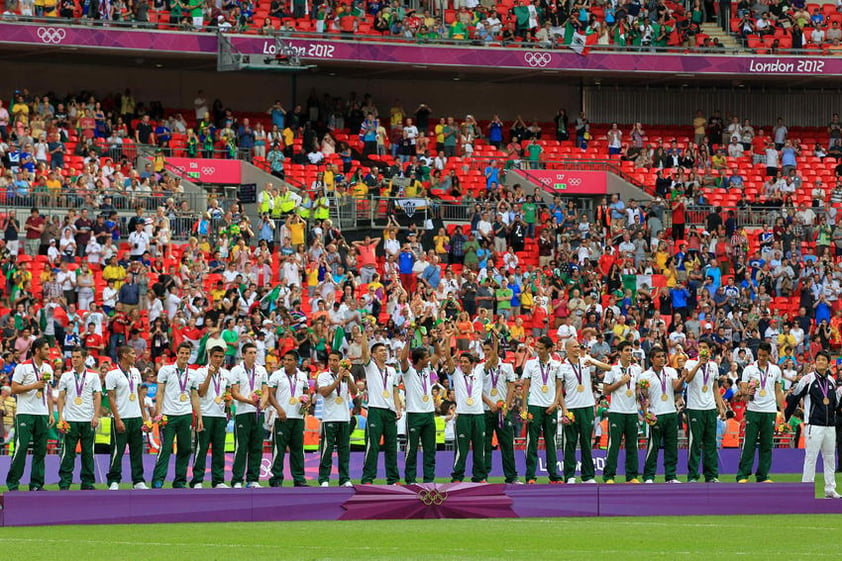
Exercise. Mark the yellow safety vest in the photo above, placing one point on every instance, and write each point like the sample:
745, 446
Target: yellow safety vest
322, 211
266, 203
287, 204
102, 435
440, 423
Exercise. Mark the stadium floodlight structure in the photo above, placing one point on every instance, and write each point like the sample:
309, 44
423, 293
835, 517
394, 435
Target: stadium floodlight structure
283, 57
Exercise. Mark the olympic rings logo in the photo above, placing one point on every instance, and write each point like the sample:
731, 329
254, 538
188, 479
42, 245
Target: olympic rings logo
575, 181
537, 59
432, 497
208, 171
51, 35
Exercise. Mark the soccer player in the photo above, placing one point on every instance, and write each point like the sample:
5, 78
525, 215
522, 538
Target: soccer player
286, 388
384, 410
125, 400
212, 383
621, 384
498, 386
418, 379
542, 389
34, 415
663, 381
704, 402
79, 400
470, 419
761, 387
247, 378
179, 401
578, 399
821, 402
337, 387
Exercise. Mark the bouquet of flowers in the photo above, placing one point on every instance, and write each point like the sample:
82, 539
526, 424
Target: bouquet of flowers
568, 418
227, 397
256, 395
46, 376
304, 400
345, 364
147, 426
643, 384
162, 421
650, 418
705, 354
525, 416
501, 413
63, 426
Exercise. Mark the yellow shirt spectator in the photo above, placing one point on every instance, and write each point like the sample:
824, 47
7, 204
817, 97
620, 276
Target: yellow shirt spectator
359, 190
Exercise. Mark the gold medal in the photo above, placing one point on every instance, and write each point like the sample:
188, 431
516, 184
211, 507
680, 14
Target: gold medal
292, 401
182, 397
39, 395
425, 398
664, 397
762, 393
385, 394
78, 401
494, 391
217, 399
629, 393
132, 397
580, 388
469, 401
545, 389
704, 389
826, 401
338, 400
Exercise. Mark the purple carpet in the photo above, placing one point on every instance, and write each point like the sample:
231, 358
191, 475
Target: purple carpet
459, 500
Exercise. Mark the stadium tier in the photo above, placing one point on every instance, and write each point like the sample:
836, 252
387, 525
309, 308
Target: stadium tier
338, 272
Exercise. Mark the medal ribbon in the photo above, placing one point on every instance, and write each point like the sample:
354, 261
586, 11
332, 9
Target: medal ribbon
80, 387
182, 384
38, 379
705, 375
128, 376
217, 381
495, 376
824, 385
545, 375
577, 371
663, 380
624, 370
424, 376
469, 385
291, 380
763, 375
384, 374
252, 374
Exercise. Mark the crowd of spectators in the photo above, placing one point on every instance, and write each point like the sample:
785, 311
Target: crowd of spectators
548, 24
647, 273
